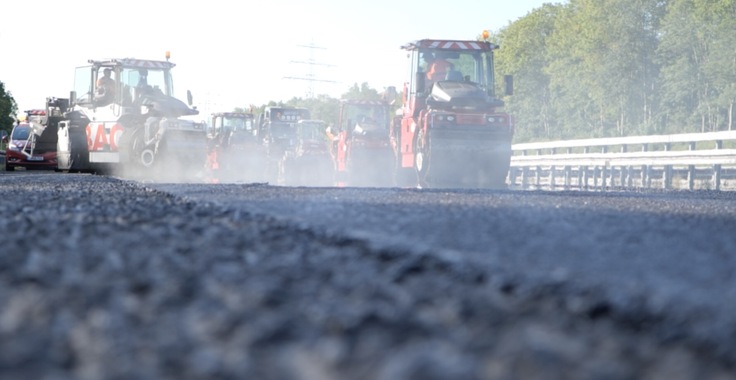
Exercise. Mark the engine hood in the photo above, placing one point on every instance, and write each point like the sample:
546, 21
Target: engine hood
448, 94
167, 106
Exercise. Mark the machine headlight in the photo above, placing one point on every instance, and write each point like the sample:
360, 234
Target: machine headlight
496, 119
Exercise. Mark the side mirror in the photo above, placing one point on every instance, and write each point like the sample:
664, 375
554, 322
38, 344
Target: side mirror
189, 98
509, 82
389, 95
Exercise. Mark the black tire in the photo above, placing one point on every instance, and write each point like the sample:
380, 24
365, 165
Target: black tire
9, 168
403, 177
142, 155
285, 175
79, 154
350, 177
495, 177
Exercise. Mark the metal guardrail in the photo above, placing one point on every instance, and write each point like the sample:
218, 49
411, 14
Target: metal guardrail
684, 161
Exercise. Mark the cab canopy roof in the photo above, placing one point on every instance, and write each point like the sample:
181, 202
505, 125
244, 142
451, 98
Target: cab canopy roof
453, 45
233, 114
364, 102
36, 112
134, 63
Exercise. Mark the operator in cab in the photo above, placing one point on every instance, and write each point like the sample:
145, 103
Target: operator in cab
105, 92
437, 68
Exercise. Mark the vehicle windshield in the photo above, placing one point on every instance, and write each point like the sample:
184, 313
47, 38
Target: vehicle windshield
21, 132
312, 131
157, 79
132, 81
468, 66
282, 121
238, 123
283, 130
367, 116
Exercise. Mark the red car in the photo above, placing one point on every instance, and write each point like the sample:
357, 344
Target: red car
30, 150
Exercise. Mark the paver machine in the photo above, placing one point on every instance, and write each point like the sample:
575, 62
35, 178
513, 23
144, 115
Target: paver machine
234, 150
277, 130
122, 118
451, 130
361, 147
307, 161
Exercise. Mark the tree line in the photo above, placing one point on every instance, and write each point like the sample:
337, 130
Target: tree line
605, 68
8, 110
324, 107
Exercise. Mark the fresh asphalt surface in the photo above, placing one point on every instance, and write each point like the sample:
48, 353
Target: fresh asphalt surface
109, 278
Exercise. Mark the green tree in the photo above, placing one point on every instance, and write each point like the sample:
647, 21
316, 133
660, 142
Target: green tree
362, 92
8, 110
566, 55
522, 54
699, 64
603, 72
321, 107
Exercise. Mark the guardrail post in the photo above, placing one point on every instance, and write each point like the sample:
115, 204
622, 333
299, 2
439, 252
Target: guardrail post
717, 176
524, 177
646, 179
552, 172
667, 171
691, 169
596, 174
581, 177
538, 174
568, 171
606, 174
512, 176
624, 177
584, 173
524, 174
717, 169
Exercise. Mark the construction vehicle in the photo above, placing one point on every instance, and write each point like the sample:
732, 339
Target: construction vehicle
307, 161
451, 130
277, 130
361, 147
132, 125
234, 151
32, 143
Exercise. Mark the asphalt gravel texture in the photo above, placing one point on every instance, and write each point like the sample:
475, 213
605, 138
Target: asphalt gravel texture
103, 278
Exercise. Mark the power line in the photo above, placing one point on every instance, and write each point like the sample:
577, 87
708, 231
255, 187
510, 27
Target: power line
310, 77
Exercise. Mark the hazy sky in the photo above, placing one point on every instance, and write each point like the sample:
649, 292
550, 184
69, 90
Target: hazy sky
232, 56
